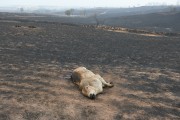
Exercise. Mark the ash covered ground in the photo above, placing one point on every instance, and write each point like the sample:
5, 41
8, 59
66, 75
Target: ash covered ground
37, 58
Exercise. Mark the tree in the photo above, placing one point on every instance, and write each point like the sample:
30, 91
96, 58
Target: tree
69, 12
21, 9
172, 9
98, 20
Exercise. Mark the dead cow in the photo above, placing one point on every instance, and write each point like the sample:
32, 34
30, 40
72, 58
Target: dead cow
91, 84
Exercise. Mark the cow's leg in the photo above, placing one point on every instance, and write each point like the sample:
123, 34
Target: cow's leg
108, 84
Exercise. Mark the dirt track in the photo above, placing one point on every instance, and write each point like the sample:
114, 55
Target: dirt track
36, 60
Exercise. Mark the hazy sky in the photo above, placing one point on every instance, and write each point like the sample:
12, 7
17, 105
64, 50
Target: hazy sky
85, 3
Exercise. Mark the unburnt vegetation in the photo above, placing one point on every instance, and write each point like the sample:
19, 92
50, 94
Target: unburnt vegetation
37, 59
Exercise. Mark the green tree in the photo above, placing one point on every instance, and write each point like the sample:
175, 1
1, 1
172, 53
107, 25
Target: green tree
69, 12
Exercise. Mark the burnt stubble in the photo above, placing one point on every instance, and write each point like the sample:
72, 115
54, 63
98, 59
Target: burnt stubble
37, 58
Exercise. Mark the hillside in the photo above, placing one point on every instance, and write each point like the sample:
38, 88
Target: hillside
151, 19
165, 21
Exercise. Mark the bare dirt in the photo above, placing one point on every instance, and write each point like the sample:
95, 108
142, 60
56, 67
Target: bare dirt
37, 58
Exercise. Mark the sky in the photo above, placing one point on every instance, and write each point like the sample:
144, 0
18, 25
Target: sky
86, 3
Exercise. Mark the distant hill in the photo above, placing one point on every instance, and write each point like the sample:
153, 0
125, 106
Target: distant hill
151, 18
164, 21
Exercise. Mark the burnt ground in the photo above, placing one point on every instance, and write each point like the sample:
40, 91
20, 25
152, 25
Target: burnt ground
37, 58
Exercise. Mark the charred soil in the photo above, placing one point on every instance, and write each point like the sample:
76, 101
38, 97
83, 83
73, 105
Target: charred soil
37, 58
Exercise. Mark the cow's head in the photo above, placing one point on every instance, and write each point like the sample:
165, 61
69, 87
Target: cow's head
89, 91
